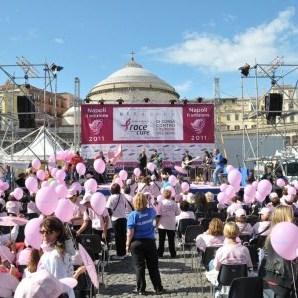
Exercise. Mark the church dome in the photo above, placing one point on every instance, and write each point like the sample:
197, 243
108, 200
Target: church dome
133, 84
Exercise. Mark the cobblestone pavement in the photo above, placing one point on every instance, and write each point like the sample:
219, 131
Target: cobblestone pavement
178, 278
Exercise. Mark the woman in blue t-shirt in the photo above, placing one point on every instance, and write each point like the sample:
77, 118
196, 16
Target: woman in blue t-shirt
141, 243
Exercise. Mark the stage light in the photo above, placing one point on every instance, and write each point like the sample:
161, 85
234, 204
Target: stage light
120, 101
146, 99
245, 69
55, 67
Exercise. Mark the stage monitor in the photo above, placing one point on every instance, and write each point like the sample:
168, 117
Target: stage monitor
26, 111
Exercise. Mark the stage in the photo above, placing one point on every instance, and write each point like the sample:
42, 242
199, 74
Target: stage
194, 188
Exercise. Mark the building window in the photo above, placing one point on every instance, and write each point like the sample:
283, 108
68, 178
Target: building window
236, 117
237, 127
228, 127
291, 105
253, 126
292, 118
228, 118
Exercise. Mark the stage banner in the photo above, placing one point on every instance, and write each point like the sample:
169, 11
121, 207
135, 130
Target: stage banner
170, 129
147, 123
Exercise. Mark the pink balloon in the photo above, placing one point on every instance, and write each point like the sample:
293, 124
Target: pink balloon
229, 168
31, 184
137, 172
53, 172
18, 193
255, 184
61, 191
98, 202
280, 182
151, 166
185, 186
60, 175
41, 175
249, 190
46, 200
173, 180
90, 185
234, 177
264, 187
24, 256
99, 166
230, 192
5, 186
32, 234
81, 168
260, 197
36, 164
44, 183
76, 186
64, 210
284, 240
123, 175
248, 199
221, 198
223, 186
292, 191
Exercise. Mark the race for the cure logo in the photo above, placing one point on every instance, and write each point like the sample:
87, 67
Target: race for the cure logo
96, 125
198, 125
138, 129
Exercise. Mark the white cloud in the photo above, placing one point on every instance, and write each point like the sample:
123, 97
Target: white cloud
59, 40
261, 43
183, 87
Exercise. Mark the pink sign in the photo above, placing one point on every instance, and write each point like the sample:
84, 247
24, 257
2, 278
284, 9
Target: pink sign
124, 124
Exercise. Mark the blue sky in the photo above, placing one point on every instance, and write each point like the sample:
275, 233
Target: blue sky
186, 43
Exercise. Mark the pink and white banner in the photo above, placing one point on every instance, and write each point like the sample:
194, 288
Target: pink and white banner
135, 126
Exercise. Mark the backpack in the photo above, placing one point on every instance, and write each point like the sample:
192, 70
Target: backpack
224, 161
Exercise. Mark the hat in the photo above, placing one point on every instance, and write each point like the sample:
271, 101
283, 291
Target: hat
265, 210
86, 198
240, 212
6, 254
43, 284
153, 177
12, 207
128, 182
273, 195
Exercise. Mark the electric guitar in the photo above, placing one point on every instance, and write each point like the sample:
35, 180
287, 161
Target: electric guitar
186, 162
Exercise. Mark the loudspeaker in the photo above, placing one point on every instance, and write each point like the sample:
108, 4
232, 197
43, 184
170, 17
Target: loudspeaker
26, 105
273, 105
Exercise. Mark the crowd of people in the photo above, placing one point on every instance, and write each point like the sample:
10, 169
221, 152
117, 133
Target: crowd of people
138, 209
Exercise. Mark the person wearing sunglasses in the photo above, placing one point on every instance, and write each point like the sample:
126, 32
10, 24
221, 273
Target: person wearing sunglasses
55, 258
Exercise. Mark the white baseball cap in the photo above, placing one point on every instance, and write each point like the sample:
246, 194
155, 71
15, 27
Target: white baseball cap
265, 210
273, 195
240, 212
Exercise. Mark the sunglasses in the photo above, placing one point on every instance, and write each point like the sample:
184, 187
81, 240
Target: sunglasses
44, 232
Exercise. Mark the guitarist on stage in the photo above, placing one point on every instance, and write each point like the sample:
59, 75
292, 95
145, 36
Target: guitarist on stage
186, 160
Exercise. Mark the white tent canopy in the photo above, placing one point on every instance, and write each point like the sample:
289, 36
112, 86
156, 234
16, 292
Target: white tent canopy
43, 146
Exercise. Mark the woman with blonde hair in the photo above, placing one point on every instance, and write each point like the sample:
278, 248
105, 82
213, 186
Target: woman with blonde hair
232, 252
212, 237
141, 243
276, 271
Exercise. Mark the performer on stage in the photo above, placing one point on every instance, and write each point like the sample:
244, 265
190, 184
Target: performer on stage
219, 163
143, 161
186, 160
207, 163
156, 159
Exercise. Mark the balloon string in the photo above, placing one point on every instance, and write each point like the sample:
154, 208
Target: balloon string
294, 279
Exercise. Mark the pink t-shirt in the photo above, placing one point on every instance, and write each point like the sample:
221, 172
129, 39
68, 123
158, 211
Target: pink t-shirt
205, 240
168, 210
232, 254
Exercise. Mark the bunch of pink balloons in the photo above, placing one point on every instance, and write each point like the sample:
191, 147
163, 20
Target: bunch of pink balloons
46, 200
264, 189
41, 175
17, 193
31, 184
36, 164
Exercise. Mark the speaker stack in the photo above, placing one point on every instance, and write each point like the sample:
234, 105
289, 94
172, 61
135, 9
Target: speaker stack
273, 106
